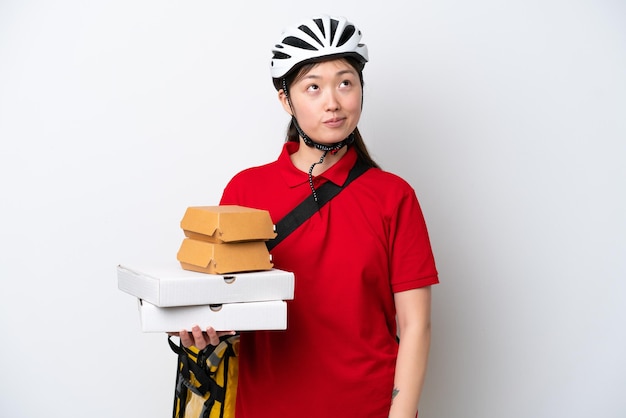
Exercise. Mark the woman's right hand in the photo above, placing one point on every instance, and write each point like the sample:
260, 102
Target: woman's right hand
199, 338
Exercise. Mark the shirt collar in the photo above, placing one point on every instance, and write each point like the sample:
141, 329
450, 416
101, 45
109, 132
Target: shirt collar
338, 173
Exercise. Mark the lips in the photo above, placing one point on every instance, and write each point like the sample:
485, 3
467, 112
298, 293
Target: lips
334, 122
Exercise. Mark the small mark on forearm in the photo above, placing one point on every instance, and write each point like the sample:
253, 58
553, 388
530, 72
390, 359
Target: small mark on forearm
394, 393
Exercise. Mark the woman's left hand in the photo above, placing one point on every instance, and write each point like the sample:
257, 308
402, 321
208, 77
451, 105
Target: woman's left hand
199, 338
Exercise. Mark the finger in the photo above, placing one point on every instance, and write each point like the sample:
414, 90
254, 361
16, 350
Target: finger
199, 339
212, 336
185, 338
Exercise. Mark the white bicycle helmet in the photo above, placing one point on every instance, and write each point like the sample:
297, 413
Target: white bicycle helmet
316, 39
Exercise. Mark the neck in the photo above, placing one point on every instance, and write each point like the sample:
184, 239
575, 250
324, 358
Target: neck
305, 156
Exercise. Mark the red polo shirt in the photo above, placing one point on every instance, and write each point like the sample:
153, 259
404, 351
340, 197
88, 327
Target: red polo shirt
337, 357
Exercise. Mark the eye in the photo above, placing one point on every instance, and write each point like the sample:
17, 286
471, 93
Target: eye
312, 87
345, 83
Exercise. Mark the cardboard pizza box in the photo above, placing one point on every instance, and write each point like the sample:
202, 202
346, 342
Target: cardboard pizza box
165, 284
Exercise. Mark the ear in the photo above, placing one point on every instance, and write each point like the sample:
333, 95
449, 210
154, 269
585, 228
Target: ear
282, 97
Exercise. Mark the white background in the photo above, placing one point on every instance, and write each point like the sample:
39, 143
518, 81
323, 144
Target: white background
508, 118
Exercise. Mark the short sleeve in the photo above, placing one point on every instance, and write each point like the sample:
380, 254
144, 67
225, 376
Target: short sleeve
412, 262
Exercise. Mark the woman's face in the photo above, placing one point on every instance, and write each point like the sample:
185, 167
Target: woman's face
326, 101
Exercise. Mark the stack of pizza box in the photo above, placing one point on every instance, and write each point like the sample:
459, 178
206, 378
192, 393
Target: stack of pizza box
224, 277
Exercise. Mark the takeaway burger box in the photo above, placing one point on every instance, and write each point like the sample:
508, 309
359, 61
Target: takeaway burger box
268, 315
227, 223
214, 258
166, 284
225, 239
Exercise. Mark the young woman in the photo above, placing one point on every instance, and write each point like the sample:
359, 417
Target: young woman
361, 262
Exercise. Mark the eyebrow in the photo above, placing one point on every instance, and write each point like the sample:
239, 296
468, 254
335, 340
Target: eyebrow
339, 73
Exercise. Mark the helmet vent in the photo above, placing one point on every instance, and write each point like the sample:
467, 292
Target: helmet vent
280, 55
309, 32
333, 29
346, 35
298, 43
320, 25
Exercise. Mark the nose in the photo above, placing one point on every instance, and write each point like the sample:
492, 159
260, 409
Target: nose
332, 103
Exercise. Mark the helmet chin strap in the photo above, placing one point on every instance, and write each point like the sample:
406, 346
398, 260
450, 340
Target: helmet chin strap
332, 148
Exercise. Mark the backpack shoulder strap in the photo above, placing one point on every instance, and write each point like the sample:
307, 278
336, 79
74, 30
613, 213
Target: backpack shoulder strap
309, 206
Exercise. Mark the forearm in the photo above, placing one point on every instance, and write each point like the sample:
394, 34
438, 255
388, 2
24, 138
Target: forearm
410, 371
413, 309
